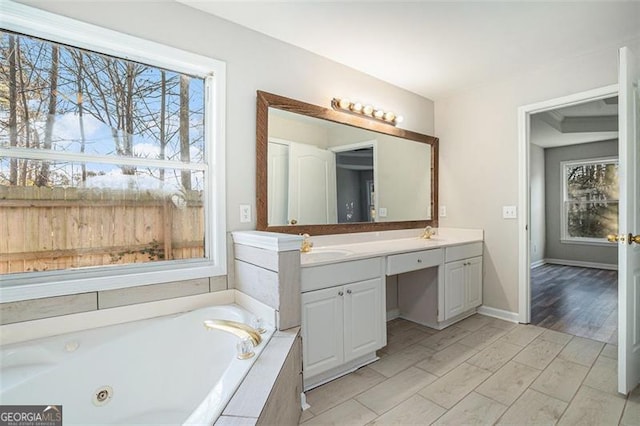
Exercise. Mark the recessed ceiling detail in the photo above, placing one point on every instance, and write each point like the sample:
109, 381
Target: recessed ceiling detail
587, 122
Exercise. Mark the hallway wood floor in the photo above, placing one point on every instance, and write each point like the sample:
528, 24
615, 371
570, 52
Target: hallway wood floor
578, 301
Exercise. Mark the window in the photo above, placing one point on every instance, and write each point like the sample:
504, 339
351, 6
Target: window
590, 199
110, 159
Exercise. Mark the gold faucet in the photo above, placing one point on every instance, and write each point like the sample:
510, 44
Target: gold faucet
236, 328
428, 233
306, 244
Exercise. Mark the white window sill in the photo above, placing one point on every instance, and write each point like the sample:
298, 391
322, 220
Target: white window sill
587, 242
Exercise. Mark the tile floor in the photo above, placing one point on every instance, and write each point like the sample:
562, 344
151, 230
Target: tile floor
479, 371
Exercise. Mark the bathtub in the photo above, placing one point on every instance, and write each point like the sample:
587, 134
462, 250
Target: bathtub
165, 370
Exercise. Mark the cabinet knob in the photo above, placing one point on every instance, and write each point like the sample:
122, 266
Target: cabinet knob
348, 291
419, 260
340, 293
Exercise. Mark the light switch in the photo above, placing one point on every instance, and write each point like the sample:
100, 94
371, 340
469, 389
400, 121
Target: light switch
382, 212
509, 212
443, 211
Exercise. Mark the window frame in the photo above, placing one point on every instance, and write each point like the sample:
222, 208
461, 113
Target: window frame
565, 237
52, 27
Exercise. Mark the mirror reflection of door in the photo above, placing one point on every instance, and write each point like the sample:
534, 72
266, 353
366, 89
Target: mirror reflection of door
312, 185
278, 184
355, 182
301, 184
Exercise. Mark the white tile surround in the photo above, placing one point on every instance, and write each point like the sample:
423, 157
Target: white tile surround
267, 268
47, 307
29, 330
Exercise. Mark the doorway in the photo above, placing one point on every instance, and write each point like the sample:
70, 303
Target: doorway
525, 125
573, 207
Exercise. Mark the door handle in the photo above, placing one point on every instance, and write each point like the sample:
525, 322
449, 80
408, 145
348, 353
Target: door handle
630, 238
613, 238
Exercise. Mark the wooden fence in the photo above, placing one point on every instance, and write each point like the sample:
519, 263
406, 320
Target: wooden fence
61, 228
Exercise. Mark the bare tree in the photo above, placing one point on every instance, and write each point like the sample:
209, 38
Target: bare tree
43, 177
13, 108
77, 56
184, 129
163, 117
26, 124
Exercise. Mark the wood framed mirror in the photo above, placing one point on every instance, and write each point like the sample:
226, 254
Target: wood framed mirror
320, 171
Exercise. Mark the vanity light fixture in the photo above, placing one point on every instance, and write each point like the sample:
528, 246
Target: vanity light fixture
345, 105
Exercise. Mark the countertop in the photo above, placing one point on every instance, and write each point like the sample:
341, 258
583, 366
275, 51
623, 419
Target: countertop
343, 248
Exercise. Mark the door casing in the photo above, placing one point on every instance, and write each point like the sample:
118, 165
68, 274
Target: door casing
524, 219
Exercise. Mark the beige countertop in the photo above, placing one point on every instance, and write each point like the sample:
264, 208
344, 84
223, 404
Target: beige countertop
343, 248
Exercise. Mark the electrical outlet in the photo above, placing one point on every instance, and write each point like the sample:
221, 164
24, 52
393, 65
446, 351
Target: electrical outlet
509, 212
443, 211
245, 213
382, 212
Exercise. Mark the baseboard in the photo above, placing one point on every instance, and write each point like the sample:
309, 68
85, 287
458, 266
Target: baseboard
446, 323
537, 263
339, 371
393, 314
498, 313
582, 264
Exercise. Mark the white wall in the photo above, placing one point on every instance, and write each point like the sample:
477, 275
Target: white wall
537, 205
254, 61
298, 131
477, 128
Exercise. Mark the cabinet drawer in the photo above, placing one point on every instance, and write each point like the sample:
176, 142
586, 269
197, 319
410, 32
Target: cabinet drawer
334, 274
406, 262
463, 252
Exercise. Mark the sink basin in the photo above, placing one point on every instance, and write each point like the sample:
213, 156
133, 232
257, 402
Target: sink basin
321, 254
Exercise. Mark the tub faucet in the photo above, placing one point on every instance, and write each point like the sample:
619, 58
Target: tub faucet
428, 233
239, 329
306, 244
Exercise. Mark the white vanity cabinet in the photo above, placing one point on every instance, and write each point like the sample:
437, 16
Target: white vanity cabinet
342, 325
463, 279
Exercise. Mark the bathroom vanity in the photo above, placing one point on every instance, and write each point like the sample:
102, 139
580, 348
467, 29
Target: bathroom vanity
364, 190
343, 292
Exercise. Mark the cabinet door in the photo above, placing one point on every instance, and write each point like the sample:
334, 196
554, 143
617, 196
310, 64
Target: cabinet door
322, 330
473, 282
454, 289
362, 318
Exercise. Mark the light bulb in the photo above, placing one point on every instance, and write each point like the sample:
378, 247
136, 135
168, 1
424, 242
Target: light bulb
356, 107
344, 103
389, 116
399, 119
368, 110
378, 114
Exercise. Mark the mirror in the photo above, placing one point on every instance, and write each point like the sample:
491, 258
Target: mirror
323, 171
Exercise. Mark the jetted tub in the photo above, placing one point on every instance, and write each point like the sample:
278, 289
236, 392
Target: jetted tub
165, 370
